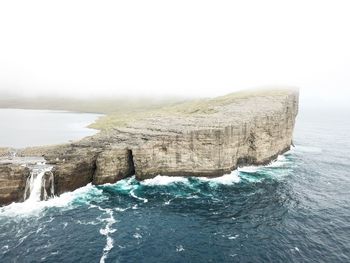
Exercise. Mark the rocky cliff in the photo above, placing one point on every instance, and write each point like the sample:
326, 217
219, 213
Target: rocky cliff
13, 178
210, 138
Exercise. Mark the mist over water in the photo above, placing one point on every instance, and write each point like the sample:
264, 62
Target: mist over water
293, 210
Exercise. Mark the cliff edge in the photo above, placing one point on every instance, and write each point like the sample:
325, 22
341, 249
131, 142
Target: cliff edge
205, 138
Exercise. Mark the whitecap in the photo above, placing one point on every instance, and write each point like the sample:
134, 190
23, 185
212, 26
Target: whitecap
86, 222
180, 248
132, 193
137, 236
279, 162
233, 237
168, 202
118, 209
125, 184
106, 231
22, 239
248, 169
192, 197
227, 179
164, 180
4, 249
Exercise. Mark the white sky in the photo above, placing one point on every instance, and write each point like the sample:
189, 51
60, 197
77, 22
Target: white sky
184, 48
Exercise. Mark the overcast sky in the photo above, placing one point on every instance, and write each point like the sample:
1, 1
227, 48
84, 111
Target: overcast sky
183, 48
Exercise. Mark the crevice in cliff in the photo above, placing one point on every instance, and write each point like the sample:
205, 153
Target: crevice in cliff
131, 164
246, 161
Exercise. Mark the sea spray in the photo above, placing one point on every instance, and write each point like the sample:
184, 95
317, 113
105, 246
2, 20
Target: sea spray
81, 196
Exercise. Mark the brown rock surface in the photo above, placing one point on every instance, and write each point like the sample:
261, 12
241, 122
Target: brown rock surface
210, 138
12, 182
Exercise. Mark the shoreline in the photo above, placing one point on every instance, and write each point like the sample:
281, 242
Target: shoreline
159, 180
207, 138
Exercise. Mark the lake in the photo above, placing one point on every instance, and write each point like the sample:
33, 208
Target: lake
22, 128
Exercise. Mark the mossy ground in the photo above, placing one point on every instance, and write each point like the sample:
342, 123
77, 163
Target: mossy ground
182, 109
121, 111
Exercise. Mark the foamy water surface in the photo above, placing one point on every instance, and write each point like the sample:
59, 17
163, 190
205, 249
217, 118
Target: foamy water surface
295, 209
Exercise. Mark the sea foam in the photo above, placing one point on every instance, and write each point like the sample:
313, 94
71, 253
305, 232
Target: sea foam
227, 179
164, 180
30, 208
106, 231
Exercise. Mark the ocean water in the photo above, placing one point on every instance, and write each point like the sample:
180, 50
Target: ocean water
296, 209
22, 128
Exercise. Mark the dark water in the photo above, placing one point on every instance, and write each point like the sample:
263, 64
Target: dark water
22, 128
295, 210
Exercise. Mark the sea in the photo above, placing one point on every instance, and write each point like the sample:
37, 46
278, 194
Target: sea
296, 209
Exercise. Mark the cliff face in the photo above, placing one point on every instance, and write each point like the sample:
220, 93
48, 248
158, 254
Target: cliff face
252, 131
213, 139
12, 182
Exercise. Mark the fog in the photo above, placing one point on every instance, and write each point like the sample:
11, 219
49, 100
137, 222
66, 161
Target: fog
175, 48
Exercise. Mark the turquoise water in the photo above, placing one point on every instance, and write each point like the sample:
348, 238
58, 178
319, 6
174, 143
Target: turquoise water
295, 210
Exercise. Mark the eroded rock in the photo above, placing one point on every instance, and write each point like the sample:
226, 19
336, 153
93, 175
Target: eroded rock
13, 179
229, 133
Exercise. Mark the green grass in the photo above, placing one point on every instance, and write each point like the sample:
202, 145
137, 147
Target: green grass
121, 111
184, 109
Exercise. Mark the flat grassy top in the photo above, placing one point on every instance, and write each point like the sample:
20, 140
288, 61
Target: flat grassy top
119, 112
184, 109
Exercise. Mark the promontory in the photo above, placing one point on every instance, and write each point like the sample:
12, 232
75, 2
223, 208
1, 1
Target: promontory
209, 137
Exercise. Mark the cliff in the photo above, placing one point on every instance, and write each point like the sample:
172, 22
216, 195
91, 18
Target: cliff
206, 138
13, 177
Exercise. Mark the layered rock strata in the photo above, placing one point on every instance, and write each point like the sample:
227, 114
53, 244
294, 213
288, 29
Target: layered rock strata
228, 132
13, 179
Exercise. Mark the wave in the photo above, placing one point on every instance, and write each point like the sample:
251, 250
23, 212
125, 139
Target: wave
180, 248
125, 184
132, 193
30, 208
106, 231
130, 186
164, 180
279, 162
227, 179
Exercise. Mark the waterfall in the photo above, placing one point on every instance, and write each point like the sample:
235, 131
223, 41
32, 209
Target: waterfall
40, 184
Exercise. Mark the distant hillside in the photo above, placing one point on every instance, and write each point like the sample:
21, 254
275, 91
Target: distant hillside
97, 105
121, 111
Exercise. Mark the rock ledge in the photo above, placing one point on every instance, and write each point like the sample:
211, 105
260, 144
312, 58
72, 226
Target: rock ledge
231, 131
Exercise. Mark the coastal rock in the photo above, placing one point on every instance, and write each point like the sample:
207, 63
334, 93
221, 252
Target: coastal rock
209, 138
48, 186
13, 179
249, 132
113, 165
74, 167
